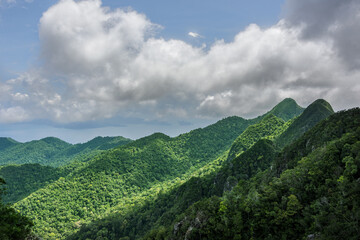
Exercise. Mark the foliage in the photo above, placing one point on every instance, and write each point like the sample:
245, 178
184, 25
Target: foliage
316, 198
27, 178
6, 143
145, 188
269, 127
13, 226
99, 185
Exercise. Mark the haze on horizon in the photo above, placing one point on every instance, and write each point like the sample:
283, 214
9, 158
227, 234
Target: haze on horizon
97, 68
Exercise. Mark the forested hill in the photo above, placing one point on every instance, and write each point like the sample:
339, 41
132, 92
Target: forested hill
7, 142
257, 156
318, 110
52, 151
311, 191
104, 177
286, 110
112, 178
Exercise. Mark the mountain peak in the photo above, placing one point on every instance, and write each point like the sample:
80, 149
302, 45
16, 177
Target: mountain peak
314, 113
321, 103
286, 110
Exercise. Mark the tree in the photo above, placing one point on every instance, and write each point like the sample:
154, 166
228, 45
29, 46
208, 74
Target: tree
13, 226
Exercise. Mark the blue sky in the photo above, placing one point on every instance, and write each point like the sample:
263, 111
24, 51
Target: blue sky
79, 69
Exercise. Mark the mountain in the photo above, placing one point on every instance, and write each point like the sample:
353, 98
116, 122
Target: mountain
315, 112
148, 183
38, 151
52, 151
269, 127
286, 110
111, 180
163, 210
313, 198
7, 142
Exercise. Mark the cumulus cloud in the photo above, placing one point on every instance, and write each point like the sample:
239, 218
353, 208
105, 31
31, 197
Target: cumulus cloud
99, 63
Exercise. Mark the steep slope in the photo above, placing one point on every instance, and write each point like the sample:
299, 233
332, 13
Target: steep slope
310, 192
114, 177
25, 179
53, 151
314, 113
12, 224
269, 127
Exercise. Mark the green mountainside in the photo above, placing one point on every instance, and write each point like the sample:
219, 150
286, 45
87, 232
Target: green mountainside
269, 127
286, 110
164, 209
25, 179
52, 151
149, 188
316, 197
7, 142
109, 179
318, 110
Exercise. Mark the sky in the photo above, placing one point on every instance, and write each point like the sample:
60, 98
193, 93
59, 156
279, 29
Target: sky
80, 69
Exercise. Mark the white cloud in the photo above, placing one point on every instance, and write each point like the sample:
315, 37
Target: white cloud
13, 114
98, 63
194, 35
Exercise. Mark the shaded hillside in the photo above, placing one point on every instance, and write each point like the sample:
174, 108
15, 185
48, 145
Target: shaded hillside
314, 113
315, 197
25, 179
12, 224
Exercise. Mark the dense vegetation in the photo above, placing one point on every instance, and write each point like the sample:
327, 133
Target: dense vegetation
12, 224
52, 151
315, 112
314, 197
269, 127
236, 179
109, 179
27, 178
162, 211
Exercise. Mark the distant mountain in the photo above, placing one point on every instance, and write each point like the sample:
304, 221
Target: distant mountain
314, 113
52, 151
38, 151
7, 142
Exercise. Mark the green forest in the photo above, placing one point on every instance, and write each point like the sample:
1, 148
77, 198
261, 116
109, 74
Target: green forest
291, 173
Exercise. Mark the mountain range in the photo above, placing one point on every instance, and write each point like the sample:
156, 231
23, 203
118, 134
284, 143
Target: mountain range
288, 174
